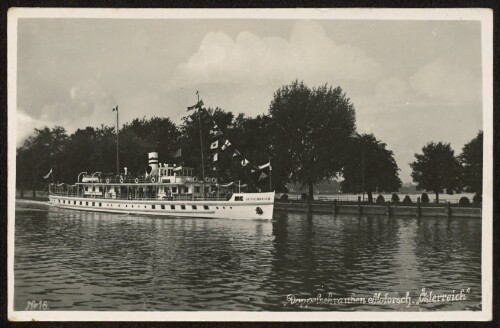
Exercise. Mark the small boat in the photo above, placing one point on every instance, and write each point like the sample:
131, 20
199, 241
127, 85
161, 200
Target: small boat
167, 190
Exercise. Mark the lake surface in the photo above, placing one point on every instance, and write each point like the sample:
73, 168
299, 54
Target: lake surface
76, 260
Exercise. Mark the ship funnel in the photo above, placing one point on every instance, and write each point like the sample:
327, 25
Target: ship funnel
153, 162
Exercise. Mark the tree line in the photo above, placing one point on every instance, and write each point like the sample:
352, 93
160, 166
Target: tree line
308, 133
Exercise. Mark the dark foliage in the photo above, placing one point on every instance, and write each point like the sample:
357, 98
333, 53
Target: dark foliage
407, 200
436, 169
380, 199
464, 201
471, 159
307, 127
477, 199
369, 167
424, 198
395, 198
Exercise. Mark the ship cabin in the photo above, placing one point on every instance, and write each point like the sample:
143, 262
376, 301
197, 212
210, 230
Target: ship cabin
160, 181
169, 183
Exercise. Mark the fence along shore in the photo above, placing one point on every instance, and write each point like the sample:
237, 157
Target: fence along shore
418, 209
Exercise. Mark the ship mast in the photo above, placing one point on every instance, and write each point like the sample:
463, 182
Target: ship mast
117, 148
201, 145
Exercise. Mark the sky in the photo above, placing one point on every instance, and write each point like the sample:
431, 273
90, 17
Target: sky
411, 82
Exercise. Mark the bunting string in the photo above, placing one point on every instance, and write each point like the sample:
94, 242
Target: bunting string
218, 135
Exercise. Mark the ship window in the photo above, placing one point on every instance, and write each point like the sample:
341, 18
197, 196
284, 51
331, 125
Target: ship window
86, 203
172, 207
163, 207
174, 190
80, 202
205, 207
154, 207
217, 207
100, 204
186, 190
194, 207
183, 207
197, 190
93, 203
238, 198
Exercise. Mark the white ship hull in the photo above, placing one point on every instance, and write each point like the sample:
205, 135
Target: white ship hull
244, 206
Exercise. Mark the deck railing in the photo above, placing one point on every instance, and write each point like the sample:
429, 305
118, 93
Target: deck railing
145, 198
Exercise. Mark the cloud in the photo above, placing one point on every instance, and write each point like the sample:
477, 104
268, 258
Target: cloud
87, 102
442, 79
309, 54
89, 96
85, 98
25, 124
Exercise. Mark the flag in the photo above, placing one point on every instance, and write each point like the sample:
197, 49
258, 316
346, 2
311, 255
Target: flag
214, 144
262, 176
226, 144
115, 109
236, 153
244, 162
198, 105
46, 176
265, 165
177, 153
215, 157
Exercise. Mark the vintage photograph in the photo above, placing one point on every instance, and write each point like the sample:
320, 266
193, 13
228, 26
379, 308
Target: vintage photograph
294, 164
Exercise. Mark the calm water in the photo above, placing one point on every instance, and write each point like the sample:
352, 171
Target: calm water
79, 260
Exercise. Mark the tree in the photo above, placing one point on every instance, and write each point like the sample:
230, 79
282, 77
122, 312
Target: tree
90, 150
40, 153
471, 159
141, 136
311, 129
370, 167
436, 169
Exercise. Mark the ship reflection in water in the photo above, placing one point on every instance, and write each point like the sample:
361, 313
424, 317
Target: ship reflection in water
97, 261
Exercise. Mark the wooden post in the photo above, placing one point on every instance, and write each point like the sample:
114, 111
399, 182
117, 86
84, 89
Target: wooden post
448, 209
335, 209
419, 213
388, 210
360, 211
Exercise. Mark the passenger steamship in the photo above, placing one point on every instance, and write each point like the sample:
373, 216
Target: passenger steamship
166, 190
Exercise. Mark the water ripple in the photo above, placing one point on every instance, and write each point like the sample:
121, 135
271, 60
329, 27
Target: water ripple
92, 261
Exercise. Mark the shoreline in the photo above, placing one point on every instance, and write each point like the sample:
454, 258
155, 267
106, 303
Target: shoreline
354, 209
388, 209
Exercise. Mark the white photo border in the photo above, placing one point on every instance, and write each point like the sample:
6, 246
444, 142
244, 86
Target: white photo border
484, 16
